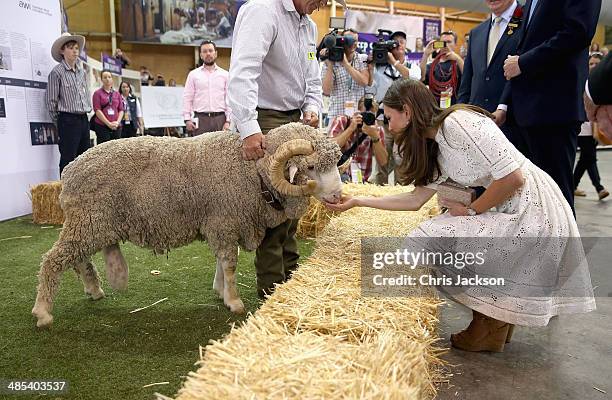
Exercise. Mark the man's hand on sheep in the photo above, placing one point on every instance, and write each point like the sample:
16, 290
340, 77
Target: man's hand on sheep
311, 119
253, 146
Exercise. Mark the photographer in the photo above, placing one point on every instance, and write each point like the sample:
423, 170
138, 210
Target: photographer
359, 137
344, 81
443, 75
382, 76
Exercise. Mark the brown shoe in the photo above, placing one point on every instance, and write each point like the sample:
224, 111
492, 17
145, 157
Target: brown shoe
580, 193
510, 332
603, 193
483, 334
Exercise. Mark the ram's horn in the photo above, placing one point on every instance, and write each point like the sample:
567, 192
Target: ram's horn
278, 162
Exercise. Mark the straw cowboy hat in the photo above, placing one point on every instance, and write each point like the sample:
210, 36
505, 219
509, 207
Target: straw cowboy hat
62, 40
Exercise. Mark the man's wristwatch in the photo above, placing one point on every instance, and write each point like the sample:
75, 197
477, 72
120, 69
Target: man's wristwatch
471, 212
375, 140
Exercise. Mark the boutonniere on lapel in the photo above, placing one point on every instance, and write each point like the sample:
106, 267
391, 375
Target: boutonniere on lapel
515, 20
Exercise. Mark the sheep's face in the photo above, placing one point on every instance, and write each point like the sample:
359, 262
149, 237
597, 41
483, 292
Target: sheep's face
305, 164
328, 184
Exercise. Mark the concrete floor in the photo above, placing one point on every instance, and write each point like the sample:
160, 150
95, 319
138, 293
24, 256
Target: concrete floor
571, 358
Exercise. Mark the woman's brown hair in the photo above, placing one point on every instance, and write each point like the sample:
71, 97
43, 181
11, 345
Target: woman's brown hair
419, 153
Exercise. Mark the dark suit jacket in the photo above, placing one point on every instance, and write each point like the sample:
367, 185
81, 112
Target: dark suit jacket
600, 82
554, 62
482, 85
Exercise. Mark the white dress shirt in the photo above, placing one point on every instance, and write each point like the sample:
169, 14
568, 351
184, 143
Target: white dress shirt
506, 16
273, 64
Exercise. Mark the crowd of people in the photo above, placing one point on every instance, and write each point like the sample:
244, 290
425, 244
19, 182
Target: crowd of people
501, 115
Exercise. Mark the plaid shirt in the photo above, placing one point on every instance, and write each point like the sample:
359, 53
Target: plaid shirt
364, 153
67, 90
344, 88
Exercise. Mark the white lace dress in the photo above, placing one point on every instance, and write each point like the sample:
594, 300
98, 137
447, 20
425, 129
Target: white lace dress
524, 239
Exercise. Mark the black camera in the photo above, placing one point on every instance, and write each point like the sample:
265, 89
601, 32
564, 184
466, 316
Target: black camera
335, 45
382, 46
368, 117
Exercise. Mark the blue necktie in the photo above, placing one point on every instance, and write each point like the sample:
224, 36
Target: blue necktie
534, 4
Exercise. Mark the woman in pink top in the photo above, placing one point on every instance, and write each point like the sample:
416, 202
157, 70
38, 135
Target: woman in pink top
108, 106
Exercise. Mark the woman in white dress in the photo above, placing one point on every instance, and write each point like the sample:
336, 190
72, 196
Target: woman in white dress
522, 208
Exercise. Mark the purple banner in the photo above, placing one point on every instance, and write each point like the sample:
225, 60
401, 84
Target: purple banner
414, 58
431, 30
365, 42
111, 64
83, 54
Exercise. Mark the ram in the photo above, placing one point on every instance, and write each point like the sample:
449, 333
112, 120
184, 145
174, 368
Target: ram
162, 193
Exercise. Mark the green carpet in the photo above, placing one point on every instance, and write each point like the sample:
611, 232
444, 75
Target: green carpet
102, 350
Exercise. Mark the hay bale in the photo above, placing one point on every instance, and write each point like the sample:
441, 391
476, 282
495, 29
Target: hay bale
262, 361
45, 203
318, 337
318, 216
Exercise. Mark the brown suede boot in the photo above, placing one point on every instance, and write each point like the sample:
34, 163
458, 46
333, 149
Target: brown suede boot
510, 332
483, 334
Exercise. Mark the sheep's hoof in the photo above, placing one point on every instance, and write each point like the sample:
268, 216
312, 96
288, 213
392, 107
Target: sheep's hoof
45, 320
236, 306
219, 291
120, 287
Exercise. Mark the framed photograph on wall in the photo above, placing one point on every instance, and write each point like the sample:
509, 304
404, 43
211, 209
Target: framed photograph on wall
179, 22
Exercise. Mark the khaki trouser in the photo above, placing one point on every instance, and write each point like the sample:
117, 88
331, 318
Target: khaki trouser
277, 255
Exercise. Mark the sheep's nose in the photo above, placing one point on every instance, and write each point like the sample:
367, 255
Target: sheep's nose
337, 196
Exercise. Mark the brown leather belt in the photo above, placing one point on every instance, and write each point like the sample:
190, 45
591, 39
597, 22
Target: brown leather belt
288, 112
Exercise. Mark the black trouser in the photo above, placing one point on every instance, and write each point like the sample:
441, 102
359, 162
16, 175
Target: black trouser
73, 131
515, 136
553, 149
128, 130
104, 133
587, 162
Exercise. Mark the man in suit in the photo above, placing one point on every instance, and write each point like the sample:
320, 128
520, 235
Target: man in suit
547, 80
598, 97
483, 78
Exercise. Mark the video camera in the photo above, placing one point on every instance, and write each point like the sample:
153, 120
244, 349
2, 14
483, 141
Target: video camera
335, 45
382, 46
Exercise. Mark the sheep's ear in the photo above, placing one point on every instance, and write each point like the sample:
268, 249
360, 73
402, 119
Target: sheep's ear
292, 171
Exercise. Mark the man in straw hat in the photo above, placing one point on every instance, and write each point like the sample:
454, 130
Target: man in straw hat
68, 99
274, 80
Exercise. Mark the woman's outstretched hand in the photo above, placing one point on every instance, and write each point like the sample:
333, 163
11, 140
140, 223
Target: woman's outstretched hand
346, 203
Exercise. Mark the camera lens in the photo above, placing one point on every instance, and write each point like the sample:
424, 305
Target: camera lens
368, 118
